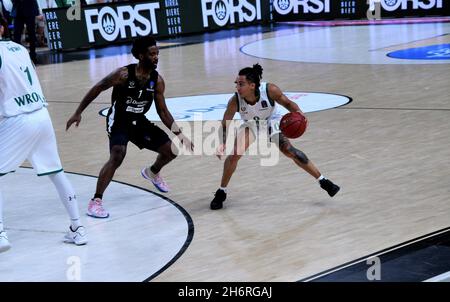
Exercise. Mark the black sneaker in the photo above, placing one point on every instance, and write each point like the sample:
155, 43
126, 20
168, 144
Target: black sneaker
219, 198
329, 186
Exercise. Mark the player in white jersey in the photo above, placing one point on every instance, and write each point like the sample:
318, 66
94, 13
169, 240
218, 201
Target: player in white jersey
26, 132
255, 102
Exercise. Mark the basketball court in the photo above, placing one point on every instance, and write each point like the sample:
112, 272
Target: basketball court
377, 101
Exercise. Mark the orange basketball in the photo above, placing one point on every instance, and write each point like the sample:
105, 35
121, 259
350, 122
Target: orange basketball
293, 124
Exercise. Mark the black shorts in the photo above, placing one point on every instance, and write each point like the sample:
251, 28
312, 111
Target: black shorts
143, 134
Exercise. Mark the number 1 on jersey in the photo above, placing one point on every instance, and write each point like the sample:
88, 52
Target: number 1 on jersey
27, 71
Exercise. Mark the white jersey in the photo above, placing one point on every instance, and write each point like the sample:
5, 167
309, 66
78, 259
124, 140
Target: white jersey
262, 110
20, 90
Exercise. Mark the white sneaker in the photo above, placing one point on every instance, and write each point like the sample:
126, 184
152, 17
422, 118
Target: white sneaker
4, 243
78, 236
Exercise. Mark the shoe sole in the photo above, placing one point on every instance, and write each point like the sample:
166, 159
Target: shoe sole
95, 216
334, 193
67, 240
149, 179
216, 207
5, 248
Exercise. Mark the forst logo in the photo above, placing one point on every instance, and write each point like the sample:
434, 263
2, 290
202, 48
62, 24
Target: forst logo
224, 11
110, 23
284, 7
392, 5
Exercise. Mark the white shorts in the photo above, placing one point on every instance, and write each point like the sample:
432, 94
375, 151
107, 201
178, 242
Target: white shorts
29, 136
270, 127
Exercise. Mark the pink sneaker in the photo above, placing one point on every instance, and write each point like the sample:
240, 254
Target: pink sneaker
95, 209
157, 181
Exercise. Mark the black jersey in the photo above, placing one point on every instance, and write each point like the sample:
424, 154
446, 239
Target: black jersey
130, 102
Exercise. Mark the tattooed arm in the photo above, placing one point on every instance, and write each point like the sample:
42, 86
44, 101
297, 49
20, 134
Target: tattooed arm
117, 77
276, 94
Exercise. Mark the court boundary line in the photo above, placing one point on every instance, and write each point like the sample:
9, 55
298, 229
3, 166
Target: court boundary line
189, 221
376, 254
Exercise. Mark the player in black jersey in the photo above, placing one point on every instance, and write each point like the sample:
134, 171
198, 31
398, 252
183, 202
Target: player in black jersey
135, 88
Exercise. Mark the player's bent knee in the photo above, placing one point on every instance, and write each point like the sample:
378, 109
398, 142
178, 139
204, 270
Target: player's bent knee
116, 157
167, 153
171, 155
116, 160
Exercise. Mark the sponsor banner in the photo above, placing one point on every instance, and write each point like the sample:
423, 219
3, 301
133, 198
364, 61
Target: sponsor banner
103, 24
295, 10
62, 33
206, 15
212, 107
433, 52
108, 24
219, 13
407, 8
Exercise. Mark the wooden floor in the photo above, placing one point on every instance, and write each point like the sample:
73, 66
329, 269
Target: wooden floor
389, 150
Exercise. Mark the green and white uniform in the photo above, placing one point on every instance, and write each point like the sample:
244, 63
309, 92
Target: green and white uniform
259, 116
26, 130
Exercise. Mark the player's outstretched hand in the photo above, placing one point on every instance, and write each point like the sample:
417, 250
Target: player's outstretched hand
76, 118
186, 142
